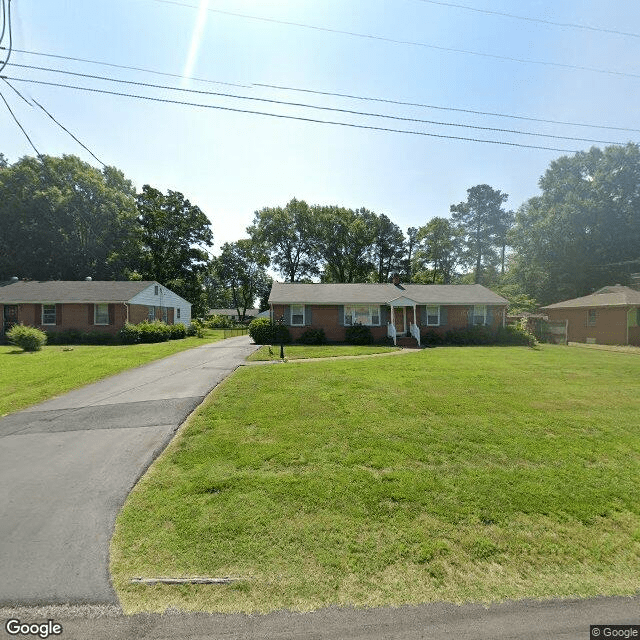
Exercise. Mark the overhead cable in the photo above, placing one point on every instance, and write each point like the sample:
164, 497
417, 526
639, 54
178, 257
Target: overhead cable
349, 96
288, 117
412, 43
313, 106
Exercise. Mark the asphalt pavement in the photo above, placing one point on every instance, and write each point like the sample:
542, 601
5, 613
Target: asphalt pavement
68, 464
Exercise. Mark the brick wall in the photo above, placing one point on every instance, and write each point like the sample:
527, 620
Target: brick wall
610, 326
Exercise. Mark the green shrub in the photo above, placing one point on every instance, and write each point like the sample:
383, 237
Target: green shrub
155, 331
27, 338
359, 334
477, 335
196, 328
431, 338
218, 321
263, 331
97, 337
69, 336
129, 334
313, 336
515, 335
177, 331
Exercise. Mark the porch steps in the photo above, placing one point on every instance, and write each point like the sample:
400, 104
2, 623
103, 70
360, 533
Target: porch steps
407, 343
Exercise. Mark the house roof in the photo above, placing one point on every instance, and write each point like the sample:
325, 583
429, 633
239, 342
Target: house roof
70, 291
232, 312
613, 296
452, 294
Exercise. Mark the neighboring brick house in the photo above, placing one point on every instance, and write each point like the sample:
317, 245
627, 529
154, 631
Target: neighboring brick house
392, 310
611, 315
87, 305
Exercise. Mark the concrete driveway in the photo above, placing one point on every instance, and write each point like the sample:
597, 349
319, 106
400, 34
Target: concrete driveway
67, 465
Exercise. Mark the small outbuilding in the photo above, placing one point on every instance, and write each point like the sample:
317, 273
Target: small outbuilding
610, 315
87, 305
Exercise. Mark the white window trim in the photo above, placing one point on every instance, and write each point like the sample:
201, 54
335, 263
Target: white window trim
298, 324
55, 314
95, 314
426, 309
369, 320
484, 317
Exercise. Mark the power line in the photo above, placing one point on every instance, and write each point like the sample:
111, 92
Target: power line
571, 25
6, 21
412, 43
287, 117
21, 127
313, 106
340, 95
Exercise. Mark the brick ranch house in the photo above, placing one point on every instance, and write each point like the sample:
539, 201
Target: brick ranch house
393, 310
86, 305
611, 315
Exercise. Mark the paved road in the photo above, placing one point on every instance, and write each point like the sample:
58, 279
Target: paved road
67, 465
523, 620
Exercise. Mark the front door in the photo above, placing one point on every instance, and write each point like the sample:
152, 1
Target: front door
400, 320
10, 316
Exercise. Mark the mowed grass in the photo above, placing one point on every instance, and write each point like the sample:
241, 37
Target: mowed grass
301, 352
29, 378
453, 474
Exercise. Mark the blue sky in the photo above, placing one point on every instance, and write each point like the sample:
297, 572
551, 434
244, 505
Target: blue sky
231, 164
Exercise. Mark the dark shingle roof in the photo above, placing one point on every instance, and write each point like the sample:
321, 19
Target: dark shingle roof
613, 296
70, 291
453, 294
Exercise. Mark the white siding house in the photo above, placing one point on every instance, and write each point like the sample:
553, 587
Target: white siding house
155, 295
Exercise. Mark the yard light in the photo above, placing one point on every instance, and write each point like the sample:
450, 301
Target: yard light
281, 323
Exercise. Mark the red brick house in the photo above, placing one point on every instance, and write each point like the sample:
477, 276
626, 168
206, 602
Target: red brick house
392, 310
86, 305
611, 315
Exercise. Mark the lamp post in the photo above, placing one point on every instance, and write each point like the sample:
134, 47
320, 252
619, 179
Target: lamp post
281, 324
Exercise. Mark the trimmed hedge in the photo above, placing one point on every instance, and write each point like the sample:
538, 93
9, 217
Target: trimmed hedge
479, 335
263, 331
313, 336
358, 334
27, 338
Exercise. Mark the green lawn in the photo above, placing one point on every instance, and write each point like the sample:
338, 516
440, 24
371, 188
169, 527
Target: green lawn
300, 352
452, 474
28, 378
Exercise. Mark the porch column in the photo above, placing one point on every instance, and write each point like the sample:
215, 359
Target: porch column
393, 317
415, 317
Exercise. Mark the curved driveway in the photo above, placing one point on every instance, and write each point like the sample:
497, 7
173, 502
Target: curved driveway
68, 464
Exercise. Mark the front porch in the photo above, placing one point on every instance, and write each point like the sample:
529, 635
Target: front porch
403, 327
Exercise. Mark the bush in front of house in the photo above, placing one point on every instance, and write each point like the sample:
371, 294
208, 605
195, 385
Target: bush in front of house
358, 334
155, 331
515, 335
129, 334
431, 338
195, 329
69, 336
217, 321
27, 338
263, 331
97, 337
468, 336
313, 336
177, 331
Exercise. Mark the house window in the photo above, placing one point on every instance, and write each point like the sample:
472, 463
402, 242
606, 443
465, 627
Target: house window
101, 313
362, 314
433, 316
592, 314
297, 315
155, 290
178, 313
479, 314
48, 314
152, 314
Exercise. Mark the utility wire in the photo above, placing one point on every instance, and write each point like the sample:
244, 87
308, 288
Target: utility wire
569, 25
412, 43
21, 127
287, 117
313, 106
341, 95
8, 22
129, 68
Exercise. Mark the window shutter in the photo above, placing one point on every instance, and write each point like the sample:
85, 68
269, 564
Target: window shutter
307, 315
423, 316
58, 314
112, 313
37, 312
90, 314
341, 315
489, 315
385, 315
287, 315
444, 316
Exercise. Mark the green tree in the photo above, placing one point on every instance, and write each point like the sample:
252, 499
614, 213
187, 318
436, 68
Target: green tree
439, 250
63, 219
241, 269
388, 247
583, 232
480, 217
410, 250
289, 234
174, 235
